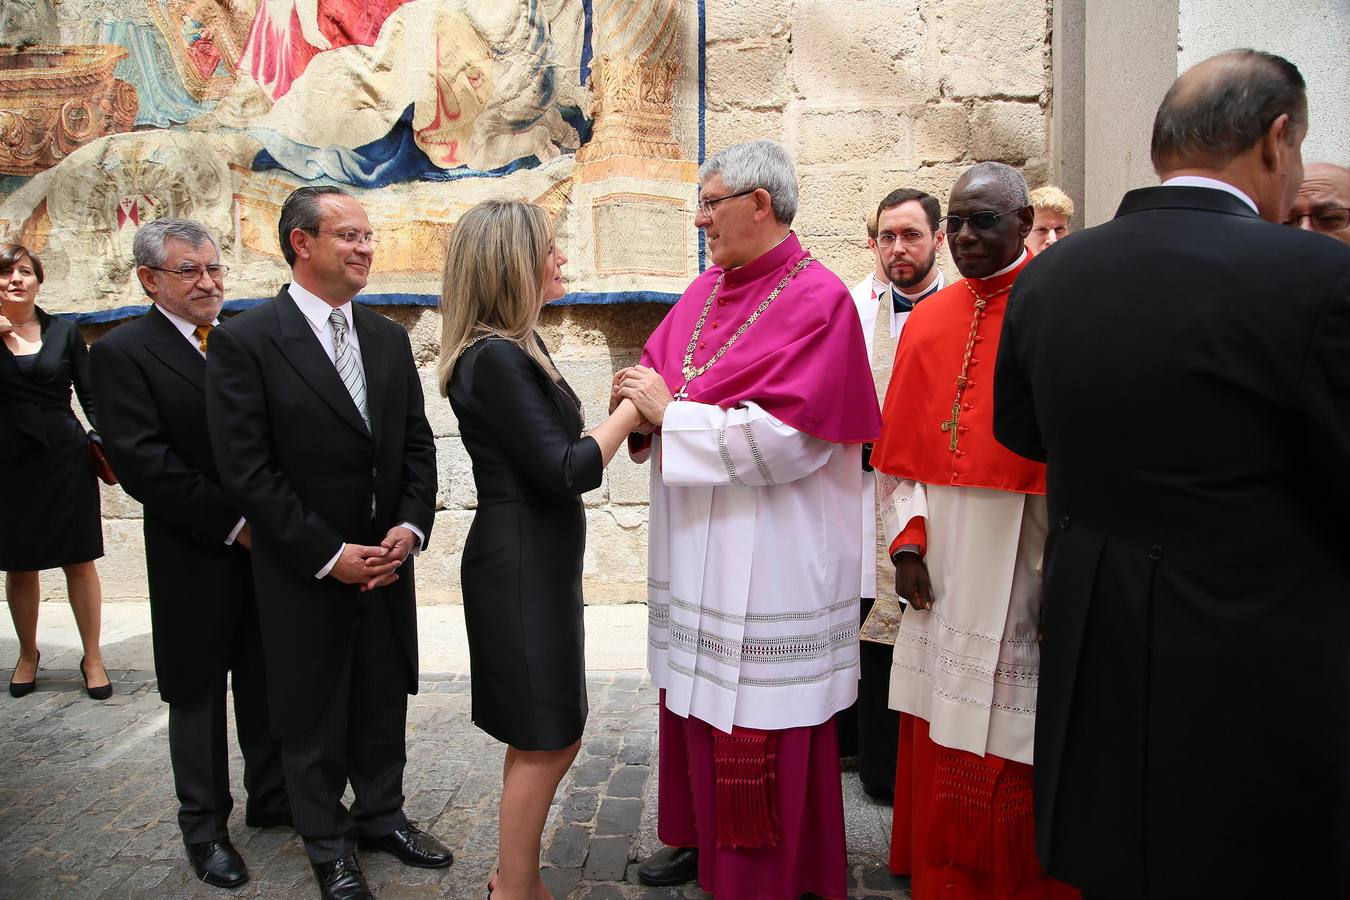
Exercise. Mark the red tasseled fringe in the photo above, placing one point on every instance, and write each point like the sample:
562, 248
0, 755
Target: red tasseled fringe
982, 818
744, 767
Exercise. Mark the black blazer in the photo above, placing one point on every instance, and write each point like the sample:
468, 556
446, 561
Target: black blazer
1184, 370
153, 412
294, 450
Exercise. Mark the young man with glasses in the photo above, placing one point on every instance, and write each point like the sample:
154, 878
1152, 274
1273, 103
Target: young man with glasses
152, 414
904, 236
966, 523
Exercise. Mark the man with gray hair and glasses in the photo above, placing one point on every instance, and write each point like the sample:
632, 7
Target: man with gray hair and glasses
204, 615
759, 383
1184, 371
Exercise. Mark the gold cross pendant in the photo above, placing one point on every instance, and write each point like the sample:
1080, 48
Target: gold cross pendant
952, 423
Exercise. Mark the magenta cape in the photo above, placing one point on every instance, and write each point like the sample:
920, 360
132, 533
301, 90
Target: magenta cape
804, 360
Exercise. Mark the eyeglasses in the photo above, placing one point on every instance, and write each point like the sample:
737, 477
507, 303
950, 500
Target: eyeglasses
191, 274
886, 240
706, 206
352, 236
984, 220
1328, 218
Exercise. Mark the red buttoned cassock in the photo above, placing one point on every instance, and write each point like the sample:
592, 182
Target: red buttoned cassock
962, 821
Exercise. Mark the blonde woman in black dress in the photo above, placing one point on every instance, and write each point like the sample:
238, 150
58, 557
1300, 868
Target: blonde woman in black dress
521, 572
49, 515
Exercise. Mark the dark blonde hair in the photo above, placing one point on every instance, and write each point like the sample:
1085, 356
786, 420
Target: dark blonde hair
493, 284
10, 254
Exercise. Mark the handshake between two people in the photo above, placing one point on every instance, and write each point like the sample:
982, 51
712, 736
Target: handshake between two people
377, 566
646, 390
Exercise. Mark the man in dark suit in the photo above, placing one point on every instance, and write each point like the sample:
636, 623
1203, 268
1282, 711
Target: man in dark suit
1185, 372
315, 410
202, 608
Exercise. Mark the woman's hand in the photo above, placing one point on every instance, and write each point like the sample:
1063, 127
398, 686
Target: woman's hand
648, 391
614, 396
6, 326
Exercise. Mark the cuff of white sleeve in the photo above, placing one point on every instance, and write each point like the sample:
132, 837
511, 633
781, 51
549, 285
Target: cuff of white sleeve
323, 573
234, 533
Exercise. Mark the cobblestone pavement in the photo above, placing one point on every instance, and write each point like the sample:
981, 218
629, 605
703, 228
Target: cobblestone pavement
87, 807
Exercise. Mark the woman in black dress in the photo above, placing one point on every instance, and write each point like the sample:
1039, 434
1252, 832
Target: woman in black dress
49, 514
521, 572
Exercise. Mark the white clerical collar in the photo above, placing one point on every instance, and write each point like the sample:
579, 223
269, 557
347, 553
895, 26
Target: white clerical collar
1213, 183
315, 309
1006, 269
185, 328
938, 284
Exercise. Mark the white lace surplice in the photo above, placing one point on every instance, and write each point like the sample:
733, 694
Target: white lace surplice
754, 555
970, 666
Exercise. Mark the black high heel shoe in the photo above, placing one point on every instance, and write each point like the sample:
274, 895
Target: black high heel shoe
98, 693
24, 688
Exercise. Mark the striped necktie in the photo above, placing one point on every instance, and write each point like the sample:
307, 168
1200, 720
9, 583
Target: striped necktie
348, 367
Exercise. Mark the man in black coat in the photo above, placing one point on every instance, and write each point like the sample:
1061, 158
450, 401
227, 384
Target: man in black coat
1184, 370
204, 616
315, 411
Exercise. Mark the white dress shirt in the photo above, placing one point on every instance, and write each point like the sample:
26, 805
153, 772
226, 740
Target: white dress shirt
188, 330
316, 312
1214, 183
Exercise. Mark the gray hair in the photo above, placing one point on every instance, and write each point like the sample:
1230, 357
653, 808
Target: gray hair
1010, 186
1221, 107
147, 249
757, 164
303, 210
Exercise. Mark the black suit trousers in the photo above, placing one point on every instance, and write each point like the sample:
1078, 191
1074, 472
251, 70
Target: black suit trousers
359, 737
198, 743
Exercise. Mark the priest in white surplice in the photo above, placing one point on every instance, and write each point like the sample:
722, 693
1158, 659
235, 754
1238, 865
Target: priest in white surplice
903, 234
759, 381
965, 519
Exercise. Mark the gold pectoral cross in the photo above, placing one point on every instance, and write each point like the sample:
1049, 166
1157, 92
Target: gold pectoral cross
952, 423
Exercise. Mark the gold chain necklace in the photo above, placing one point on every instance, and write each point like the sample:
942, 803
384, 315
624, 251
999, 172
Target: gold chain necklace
954, 422
689, 370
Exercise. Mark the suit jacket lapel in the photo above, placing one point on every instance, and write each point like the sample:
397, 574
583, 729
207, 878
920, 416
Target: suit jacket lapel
302, 350
1184, 197
375, 360
170, 347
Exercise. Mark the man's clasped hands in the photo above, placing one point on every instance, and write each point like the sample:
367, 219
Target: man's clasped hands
648, 391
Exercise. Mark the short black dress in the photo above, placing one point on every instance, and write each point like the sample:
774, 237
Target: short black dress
521, 568
49, 508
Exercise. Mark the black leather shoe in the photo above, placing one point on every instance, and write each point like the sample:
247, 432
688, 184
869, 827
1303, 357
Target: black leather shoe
413, 846
217, 863
341, 879
98, 693
269, 820
24, 688
673, 865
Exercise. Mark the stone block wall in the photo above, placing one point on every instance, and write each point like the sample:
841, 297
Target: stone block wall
868, 95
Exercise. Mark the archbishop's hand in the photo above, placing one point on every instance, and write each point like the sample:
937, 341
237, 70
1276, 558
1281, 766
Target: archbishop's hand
911, 580
648, 391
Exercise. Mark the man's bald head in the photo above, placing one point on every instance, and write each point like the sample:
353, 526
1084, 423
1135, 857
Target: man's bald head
1223, 106
1323, 201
